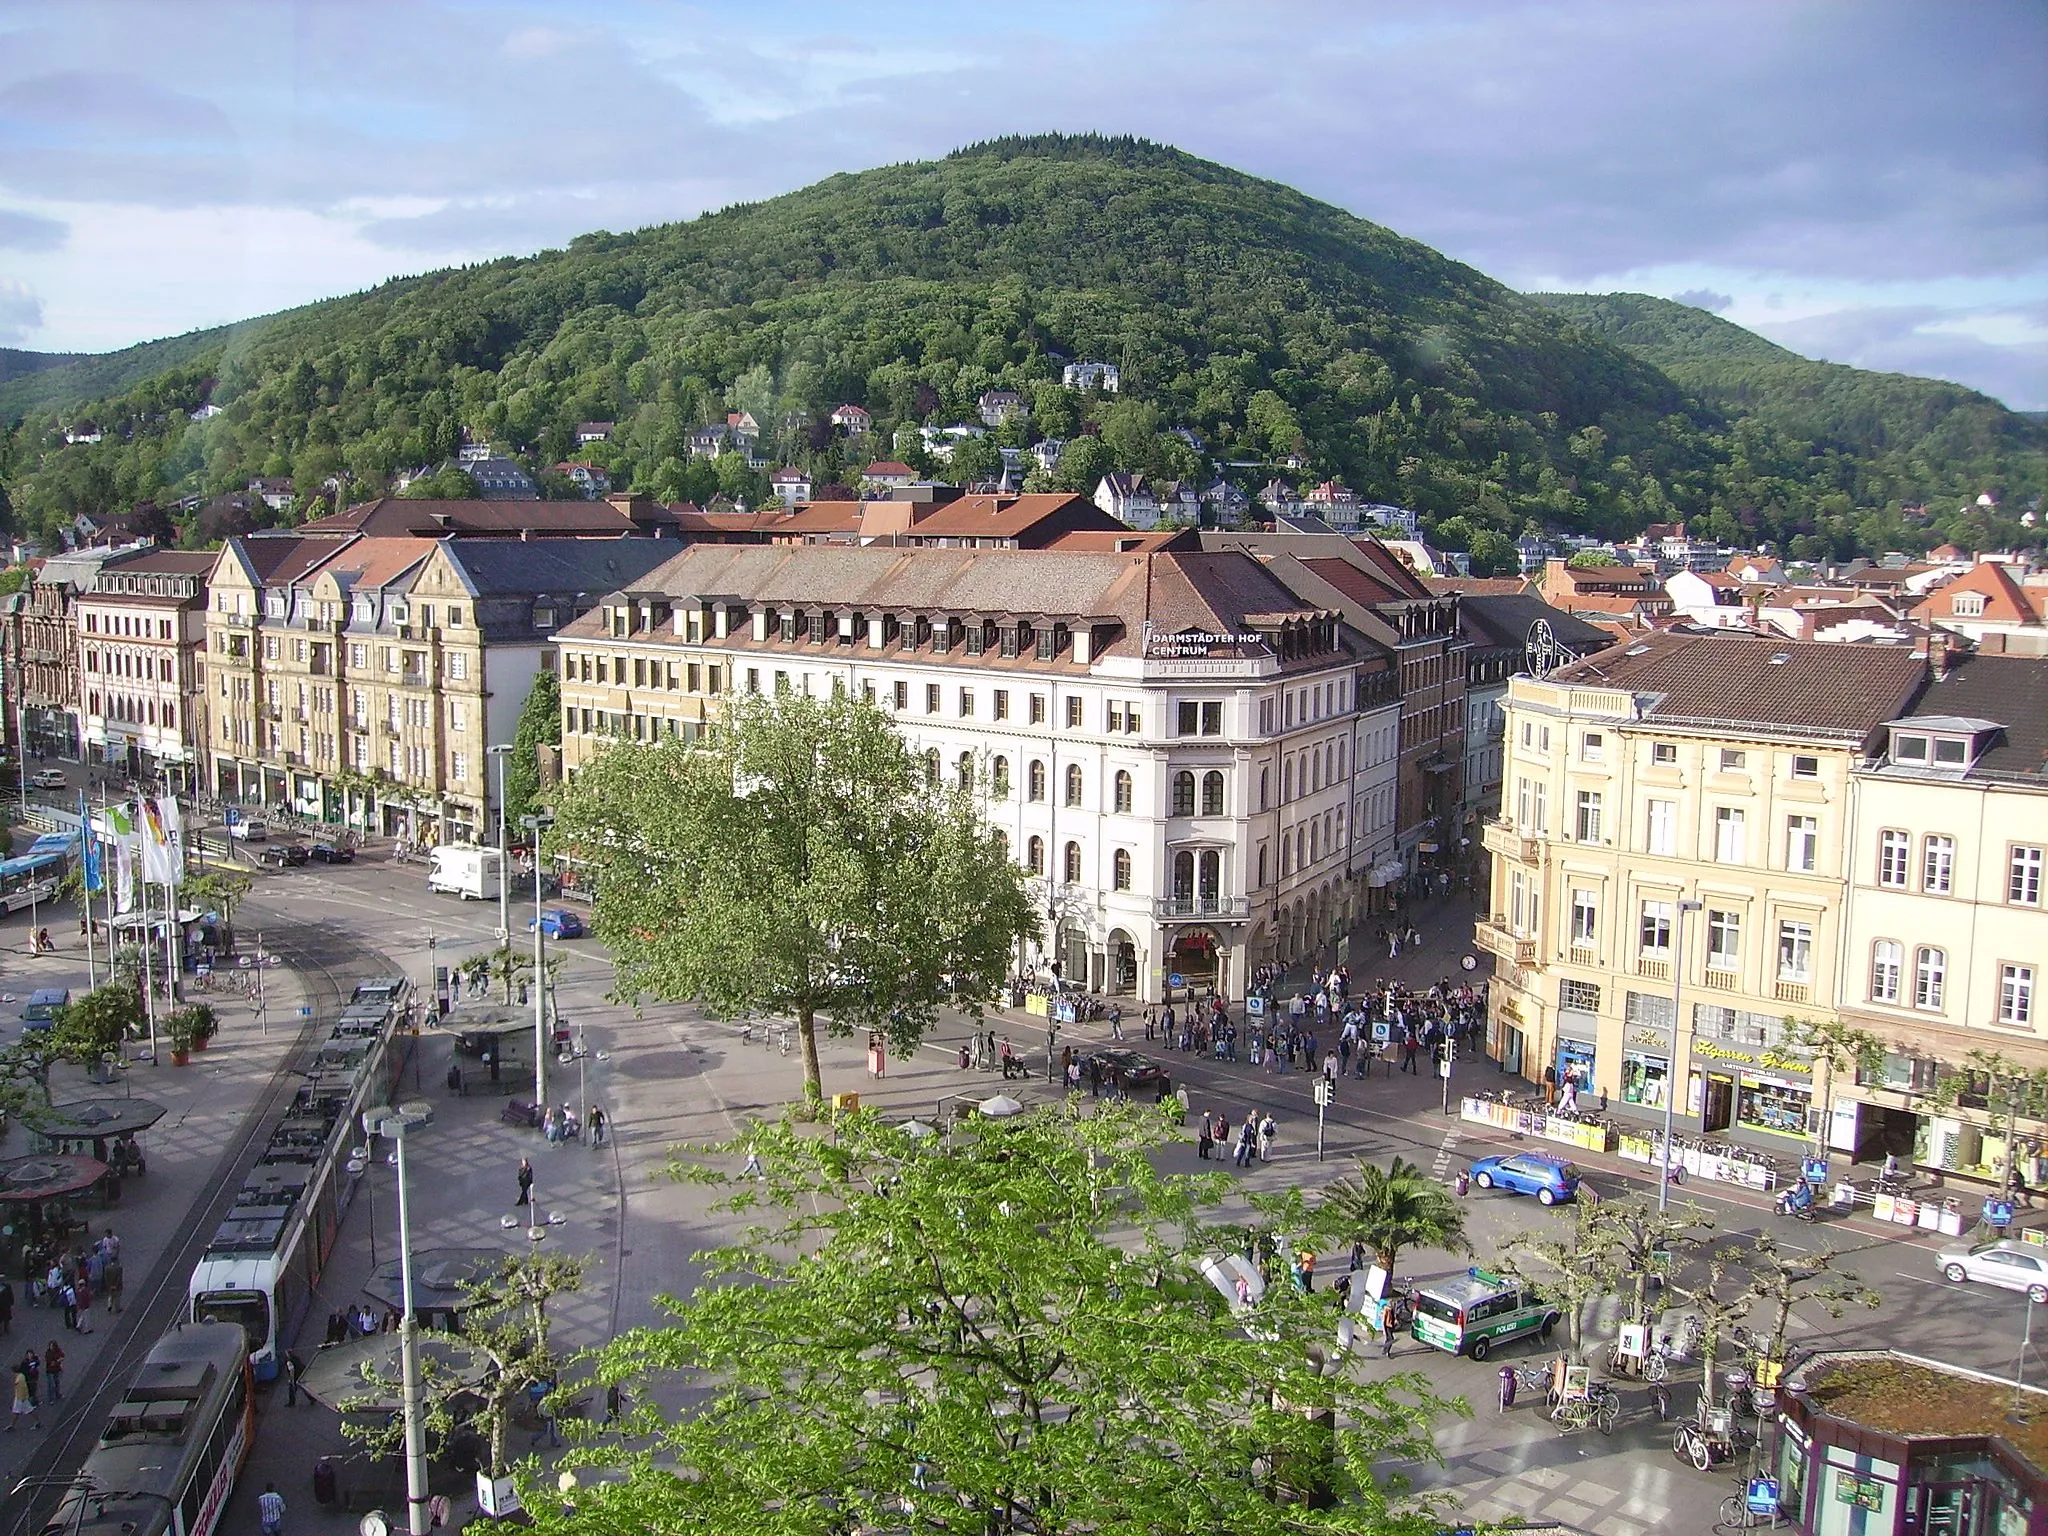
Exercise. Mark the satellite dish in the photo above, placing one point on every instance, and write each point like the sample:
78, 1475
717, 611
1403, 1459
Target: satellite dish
1541, 651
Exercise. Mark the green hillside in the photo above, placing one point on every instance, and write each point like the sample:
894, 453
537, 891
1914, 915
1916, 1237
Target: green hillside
1266, 324
44, 382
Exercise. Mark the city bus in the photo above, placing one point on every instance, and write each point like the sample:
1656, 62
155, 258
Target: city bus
32, 878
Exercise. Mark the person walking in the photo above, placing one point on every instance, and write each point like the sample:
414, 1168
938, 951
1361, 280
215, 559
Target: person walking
525, 1181
24, 1405
270, 1510
1247, 1140
113, 1278
1268, 1129
596, 1126
53, 1371
1204, 1140
752, 1169
294, 1368
1116, 1021
84, 1290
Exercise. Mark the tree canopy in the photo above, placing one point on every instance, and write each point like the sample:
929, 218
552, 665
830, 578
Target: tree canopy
800, 863
1005, 1333
1273, 327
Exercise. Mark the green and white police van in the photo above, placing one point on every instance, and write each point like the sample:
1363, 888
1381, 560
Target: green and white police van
1471, 1314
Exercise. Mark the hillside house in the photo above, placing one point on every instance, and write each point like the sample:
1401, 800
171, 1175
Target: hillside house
594, 432
710, 442
274, 491
1048, 451
744, 429
888, 475
1102, 376
853, 420
1223, 504
205, 412
997, 406
791, 485
502, 480
1128, 498
592, 481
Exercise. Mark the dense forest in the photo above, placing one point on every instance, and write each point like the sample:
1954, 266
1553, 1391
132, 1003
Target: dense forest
1257, 332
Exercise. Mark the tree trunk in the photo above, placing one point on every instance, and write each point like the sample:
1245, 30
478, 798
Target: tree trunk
807, 1036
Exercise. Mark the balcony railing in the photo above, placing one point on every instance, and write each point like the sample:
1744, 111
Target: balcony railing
1720, 981
1793, 992
1233, 908
1501, 838
1653, 967
415, 677
1503, 943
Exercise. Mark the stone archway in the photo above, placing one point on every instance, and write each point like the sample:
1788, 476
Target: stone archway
1125, 963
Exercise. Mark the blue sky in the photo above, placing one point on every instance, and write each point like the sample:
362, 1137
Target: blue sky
1864, 181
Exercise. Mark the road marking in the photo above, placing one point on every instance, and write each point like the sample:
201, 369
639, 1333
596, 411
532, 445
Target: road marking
1441, 1168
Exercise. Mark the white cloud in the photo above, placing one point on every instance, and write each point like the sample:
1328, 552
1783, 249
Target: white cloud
21, 312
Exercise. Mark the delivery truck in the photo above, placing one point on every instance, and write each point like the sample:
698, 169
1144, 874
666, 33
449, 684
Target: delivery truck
474, 874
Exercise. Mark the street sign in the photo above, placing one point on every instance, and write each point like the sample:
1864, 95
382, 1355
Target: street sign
1176, 980
1255, 1006
305, 1010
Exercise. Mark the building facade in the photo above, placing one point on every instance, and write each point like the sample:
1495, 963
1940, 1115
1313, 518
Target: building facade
1946, 949
1168, 742
39, 653
141, 636
1671, 845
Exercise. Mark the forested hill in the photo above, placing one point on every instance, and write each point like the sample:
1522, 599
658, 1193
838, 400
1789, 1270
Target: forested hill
1876, 415
1253, 327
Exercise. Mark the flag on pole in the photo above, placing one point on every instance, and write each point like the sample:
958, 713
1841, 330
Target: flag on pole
154, 843
121, 827
88, 849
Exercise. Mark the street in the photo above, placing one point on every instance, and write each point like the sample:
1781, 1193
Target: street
668, 1076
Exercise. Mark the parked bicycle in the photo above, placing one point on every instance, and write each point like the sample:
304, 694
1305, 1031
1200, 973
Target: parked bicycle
1737, 1515
1600, 1407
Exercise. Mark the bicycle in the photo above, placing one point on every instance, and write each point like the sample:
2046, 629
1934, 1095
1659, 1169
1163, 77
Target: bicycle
1600, 1407
1736, 1515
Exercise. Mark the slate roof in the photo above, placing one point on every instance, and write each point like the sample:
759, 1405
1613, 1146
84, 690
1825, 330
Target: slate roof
2012, 690
1505, 619
1737, 678
497, 567
390, 516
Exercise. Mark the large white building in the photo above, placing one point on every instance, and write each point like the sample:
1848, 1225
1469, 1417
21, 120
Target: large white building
1175, 746
141, 664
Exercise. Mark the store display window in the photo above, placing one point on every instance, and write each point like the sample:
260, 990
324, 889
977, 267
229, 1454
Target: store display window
1645, 1079
1775, 1107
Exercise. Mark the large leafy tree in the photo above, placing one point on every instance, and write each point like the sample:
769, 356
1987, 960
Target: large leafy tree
1389, 1209
1636, 1240
1572, 1262
1007, 1333
539, 729
802, 863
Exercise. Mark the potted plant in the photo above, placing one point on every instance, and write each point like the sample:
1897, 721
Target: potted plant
205, 1023
179, 1029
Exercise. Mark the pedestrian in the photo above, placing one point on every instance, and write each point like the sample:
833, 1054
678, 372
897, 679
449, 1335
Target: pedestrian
596, 1126
1507, 1388
32, 1367
1357, 1256
614, 1403
53, 1371
84, 1305
69, 1295
1387, 1316
1151, 1024
270, 1510
544, 1411
1247, 1140
1009, 1059
24, 1406
1204, 1141
752, 1168
1267, 1131
6, 1307
113, 1277
1244, 1289
525, 1181
294, 1368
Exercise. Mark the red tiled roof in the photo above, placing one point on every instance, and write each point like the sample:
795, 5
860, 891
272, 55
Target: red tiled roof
890, 468
2005, 601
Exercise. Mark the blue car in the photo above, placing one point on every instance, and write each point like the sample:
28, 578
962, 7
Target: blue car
558, 923
1549, 1179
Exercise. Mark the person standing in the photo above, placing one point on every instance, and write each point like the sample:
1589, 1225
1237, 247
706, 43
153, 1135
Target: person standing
1204, 1141
84, 1290
24, 1405
113, 1278
270, 1510
525, 1181
53, 1371
294, 1369
596, 1126
1247, 1140
1268, 1129
6, 1307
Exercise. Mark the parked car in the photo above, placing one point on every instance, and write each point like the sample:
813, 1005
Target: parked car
1131, 1072
331, 853
2015, 1266
250, 830
43, 1003
558, 923
47, 778
1549, 1179
283, 856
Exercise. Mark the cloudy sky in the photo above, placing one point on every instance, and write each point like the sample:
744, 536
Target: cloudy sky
1863, 181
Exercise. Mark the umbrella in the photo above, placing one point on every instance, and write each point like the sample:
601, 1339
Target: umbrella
1001, 1107
918, 1128
335, 1373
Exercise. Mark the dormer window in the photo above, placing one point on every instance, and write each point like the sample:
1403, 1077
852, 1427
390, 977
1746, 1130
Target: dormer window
1910, 749
786, 626
1967, 605
1951, 752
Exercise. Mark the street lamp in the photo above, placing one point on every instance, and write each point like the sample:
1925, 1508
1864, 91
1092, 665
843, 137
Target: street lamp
1671, 1066
502, 751
538, 825
384, 1121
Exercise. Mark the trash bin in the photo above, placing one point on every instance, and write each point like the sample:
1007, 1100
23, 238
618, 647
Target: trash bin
323, 1481
842, 1101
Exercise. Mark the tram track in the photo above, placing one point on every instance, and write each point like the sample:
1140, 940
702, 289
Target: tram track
308, 949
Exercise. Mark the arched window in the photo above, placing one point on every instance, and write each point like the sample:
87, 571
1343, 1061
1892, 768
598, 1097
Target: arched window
1183, 876
1034, 780
965, 769
1287, 781
999, 778
1339, 772
1887, 960
1070, 864
1315, 770
1212, 793
1123, 791
931, 767
1265, 791
1286, 855
1211, 878
1120, 869
1003, 842
1930, 976
1315, 842
1034, 855
1184, 793
1262, 864
1073, 783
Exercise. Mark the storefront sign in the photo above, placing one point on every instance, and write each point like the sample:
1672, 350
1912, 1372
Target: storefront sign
1776, 1061
1863, 1492
1196, 645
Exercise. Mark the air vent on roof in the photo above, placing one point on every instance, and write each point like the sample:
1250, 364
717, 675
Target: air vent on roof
1781, 658
1636, 650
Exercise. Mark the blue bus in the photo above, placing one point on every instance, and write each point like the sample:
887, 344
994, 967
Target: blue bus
34, 877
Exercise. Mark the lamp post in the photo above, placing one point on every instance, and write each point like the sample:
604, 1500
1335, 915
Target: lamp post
537, 825
1671, 1067
395, 1123
500, 752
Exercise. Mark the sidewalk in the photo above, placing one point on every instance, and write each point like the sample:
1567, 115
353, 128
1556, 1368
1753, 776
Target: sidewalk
204, 1107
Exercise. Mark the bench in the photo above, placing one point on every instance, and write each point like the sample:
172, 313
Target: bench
520, 1112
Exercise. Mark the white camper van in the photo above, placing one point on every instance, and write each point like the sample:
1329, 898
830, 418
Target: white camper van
474, 874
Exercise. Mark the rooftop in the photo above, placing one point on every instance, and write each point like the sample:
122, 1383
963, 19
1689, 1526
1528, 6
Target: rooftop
390, 516
1738, 678
2010, 690
1903, 1395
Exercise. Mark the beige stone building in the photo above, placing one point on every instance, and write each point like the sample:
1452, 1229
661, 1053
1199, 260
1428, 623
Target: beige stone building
362, 679
141, 664
1676, 813
1946, 950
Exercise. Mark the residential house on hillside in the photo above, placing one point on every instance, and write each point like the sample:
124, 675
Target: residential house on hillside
853, 420
1047, 451
745, 430
594, 432
1179, 502
1223, 504
205, 412
592, 481
888, 475
1128, 498
84, 432
791, 485
997, 406
1757, 570
1084, 375
710, 442
502, 480
940, 442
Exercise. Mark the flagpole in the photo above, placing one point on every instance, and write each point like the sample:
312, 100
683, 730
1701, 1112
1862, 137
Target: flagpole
88, 866
148, 952
119, 847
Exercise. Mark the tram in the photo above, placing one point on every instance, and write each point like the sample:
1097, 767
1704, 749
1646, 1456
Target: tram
171, 1449
263, 1263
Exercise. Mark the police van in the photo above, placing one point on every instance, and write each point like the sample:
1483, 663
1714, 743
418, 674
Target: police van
1471, 1314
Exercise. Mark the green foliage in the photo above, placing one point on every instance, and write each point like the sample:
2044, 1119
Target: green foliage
94, 1025
800, 864
189, 1024
1004, 1333
539, 727
446, 484
1270, 323
1389, 1209
1591, 560
1493, 554
14, 578
1574, 1264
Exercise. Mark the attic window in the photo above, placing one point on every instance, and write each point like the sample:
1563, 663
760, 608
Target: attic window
543, 617
1948, 749
1910, 749
1967, 605
1637, 650
1045, 643
977, 640
786, 626
1781, 658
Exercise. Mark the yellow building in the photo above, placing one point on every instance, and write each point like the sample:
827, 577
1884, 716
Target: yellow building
1674, 820
1947, 941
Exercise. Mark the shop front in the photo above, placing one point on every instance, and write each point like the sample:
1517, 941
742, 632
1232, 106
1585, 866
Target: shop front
1759, 1092
1195, 955
1574, 1063
1645, 1073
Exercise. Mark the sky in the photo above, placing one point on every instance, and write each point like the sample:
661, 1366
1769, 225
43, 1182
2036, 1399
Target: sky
1860, 180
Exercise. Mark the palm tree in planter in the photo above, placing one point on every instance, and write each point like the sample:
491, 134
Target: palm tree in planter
1387, 1210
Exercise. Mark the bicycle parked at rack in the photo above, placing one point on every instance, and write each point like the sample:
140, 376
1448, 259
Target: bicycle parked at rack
1737, 1515
1600, 1407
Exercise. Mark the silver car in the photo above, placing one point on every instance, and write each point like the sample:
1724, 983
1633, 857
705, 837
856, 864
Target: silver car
2016, 1266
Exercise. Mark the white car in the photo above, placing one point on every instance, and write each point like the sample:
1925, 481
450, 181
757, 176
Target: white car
47, 778
250, 831
2016, 1266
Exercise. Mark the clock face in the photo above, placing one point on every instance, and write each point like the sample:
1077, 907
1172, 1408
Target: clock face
374, 1524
